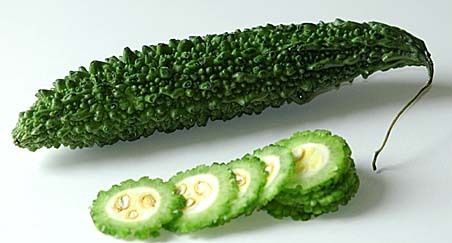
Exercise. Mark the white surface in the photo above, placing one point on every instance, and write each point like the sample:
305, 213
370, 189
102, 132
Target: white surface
45, 195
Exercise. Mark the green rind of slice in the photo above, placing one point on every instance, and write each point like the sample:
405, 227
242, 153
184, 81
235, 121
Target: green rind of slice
280, 168
169, 208
307, 208
328, 195
221, 191
251, 177
335, 158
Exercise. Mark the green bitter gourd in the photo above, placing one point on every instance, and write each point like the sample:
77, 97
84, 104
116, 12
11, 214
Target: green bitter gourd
136, 209
186, 82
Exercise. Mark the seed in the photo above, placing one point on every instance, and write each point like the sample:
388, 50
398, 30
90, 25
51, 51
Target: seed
133, 214
298, 153
202, 188
190, 202
122, 203
148, 201
269, 169
181, 189
241, 180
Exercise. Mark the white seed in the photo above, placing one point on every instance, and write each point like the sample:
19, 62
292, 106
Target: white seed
133, 214
269, 169
148, 201
202, 188
190, 202
241, 180
122, 203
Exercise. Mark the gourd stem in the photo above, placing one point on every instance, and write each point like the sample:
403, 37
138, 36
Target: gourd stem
423, 90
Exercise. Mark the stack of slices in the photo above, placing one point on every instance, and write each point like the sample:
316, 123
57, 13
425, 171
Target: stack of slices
307, 175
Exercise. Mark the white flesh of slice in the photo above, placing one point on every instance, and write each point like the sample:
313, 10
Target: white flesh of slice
272, 166
200, 192
310, 159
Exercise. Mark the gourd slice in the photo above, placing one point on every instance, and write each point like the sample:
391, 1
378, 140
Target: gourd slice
315, 204
280, 168
321, 159
251, 177
136, 209
209, 192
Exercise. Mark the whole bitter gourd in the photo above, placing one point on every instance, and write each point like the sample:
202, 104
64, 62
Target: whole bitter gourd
183, 83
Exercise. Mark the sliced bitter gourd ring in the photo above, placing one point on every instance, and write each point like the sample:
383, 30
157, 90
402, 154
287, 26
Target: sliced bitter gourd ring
291, 194
209, 192
280, 168
327, 196
251, 177
321, 160
306, 208
136, 209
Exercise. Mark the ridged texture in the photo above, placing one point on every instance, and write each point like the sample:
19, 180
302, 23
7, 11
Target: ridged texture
187, 82
316, 204
218, 212
283, 176
170, 209
245, 204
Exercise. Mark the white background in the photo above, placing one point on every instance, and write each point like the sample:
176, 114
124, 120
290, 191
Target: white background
45, 195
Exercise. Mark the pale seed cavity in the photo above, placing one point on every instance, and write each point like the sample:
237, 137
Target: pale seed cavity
309, 159
122, 203
202, 188
148, 201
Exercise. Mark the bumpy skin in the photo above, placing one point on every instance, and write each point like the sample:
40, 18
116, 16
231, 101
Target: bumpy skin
248, 202
338, 165
284, 175
309, 206
170, 209
218, 212
187, 82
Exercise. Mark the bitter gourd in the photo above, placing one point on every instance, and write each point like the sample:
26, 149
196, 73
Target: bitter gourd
186, 82
251, 178
209, 192
136, 209
307, 175
280, 167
